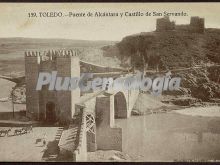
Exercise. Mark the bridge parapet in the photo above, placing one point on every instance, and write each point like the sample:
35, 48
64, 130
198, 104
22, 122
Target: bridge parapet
108, 136
80, 154
97, 129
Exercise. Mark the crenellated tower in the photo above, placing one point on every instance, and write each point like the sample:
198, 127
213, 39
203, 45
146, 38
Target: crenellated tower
51, 105
32, 61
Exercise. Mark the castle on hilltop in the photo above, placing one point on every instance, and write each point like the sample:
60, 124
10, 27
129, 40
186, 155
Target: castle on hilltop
51, 105
197, 25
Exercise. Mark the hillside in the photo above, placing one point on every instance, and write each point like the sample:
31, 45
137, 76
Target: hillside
172, 49
159, 51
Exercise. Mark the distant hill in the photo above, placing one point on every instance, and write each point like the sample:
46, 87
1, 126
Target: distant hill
14, 47
12, 51
43, 41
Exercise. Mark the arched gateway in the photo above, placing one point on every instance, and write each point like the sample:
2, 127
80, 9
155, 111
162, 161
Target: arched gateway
50, 112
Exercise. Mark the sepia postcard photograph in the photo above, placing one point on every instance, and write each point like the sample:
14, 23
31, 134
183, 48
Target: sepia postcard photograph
110, 82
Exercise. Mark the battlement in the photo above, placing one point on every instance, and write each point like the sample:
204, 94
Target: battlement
66, 63
52, 53
197, 25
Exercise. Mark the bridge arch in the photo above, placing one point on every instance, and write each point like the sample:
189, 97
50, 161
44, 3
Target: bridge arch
120, 105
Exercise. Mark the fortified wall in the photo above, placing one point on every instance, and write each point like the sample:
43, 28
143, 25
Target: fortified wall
197, 25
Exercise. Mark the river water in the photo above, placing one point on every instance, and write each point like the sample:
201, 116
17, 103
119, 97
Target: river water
171, 137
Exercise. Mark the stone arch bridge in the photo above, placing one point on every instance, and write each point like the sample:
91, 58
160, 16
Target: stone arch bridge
97, 113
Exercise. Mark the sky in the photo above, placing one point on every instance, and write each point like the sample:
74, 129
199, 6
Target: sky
16, 23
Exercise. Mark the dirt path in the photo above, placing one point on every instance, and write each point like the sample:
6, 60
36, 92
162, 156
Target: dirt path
23, 147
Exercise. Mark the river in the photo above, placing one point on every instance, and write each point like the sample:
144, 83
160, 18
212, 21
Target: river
171, 137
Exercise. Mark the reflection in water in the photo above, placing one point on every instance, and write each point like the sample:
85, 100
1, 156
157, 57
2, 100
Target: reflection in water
171, 137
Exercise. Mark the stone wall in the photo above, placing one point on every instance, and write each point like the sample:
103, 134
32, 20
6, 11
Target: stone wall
132, 97
80, 154
108, 137
87, 67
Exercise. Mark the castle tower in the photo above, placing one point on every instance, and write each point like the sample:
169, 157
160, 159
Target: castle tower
51, 105
32, 61
68, 66
197, 24
164, 24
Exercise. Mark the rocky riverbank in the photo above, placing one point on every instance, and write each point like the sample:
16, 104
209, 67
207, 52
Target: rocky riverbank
106, 156
212, 111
